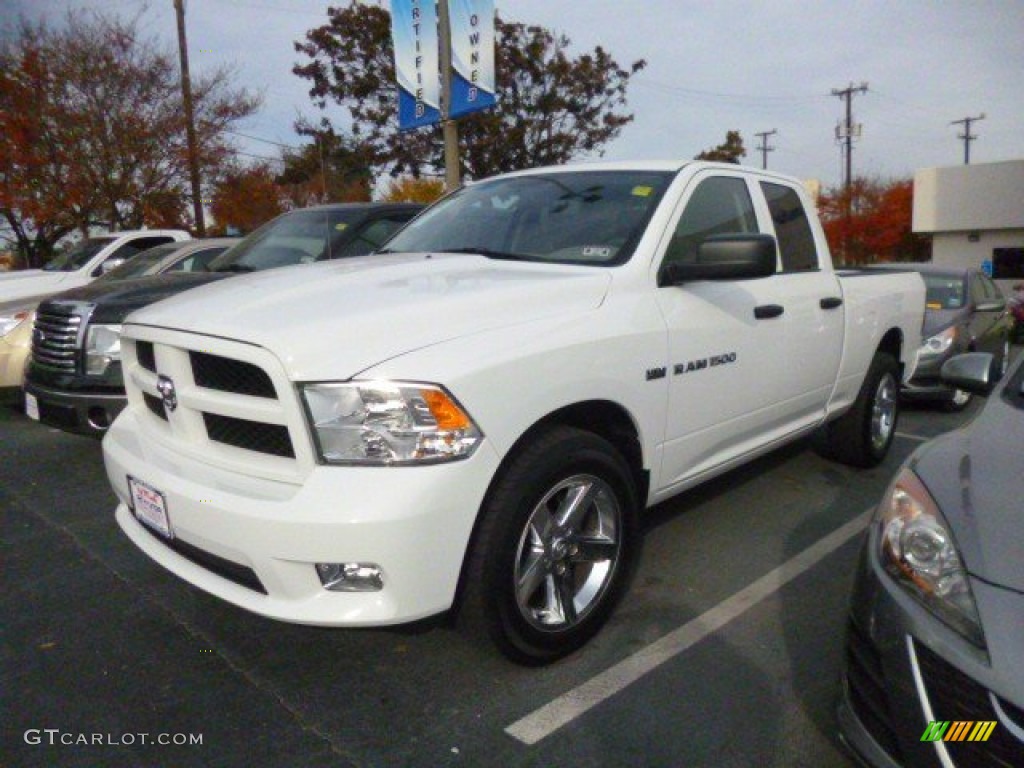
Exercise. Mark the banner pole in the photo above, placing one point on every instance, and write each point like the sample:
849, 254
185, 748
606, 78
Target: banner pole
449, 126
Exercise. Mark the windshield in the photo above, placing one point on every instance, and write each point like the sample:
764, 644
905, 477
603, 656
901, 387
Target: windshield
145, 263
77, 257
944, 291
580, 217
298, 237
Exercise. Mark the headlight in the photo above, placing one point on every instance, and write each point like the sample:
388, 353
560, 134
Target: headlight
102, 347
386, 422
9, 322
918, 551
940, 342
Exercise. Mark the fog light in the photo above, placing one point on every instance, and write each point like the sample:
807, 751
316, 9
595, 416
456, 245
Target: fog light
350, 577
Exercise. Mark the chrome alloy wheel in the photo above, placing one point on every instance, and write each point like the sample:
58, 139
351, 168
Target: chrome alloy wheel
568, 553
883, 412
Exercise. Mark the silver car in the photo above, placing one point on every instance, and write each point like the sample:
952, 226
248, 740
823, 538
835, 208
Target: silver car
935, 649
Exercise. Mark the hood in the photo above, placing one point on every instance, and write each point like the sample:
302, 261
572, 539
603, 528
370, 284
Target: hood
34, 282
332, 320
937, 320
974, 475
115, 299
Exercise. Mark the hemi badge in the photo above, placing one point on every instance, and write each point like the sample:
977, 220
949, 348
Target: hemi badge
655, 373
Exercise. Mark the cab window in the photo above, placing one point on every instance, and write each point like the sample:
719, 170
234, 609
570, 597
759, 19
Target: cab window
720, 205
792, 229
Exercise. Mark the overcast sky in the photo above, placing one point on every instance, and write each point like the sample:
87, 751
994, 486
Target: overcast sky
712, 66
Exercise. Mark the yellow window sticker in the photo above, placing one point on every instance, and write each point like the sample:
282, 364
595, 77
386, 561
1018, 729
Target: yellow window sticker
642, 191
341, 226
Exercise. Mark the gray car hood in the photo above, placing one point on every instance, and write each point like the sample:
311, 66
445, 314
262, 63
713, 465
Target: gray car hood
332, 320
976, 476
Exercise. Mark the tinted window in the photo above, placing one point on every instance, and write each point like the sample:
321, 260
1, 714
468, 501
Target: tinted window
992, 292
142, 263
792, 230
373, 235
944, 291
977, 288
575, 217
138, 245
1008, 263
720, 205
77, 257
197, 261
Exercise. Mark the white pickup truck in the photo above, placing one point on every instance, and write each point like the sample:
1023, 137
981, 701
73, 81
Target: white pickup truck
85, 262
472, 421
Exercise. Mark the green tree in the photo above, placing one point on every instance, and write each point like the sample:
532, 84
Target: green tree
552, 107
92, 130
728, 152
332, 169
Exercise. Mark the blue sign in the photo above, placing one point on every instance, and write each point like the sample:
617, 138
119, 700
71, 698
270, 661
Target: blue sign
414, 32
473, 79
986, 267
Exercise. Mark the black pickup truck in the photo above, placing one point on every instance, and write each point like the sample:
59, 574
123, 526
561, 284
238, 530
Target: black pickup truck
73, 379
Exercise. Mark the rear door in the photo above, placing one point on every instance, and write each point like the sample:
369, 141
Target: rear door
814, 314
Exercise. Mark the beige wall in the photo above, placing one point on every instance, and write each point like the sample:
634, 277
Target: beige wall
987, 196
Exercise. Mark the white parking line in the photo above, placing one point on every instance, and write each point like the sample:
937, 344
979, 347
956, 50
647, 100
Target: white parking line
567, 707
908, 436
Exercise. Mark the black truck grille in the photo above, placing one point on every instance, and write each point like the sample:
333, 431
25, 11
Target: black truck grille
227, 375
55, 336
251, 435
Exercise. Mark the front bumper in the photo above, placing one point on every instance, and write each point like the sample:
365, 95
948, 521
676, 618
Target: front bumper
255, 542
14, 349
83, 413
904, 669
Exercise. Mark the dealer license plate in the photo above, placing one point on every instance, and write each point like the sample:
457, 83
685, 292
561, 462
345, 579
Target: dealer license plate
150, 507
31, 407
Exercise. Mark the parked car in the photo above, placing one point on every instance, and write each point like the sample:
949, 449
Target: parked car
83, 263
1016, 306
494, 399
74, 378
17, 317
964, 312
934, 670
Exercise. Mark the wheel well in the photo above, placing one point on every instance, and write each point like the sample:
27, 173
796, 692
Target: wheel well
601, 417
892, 343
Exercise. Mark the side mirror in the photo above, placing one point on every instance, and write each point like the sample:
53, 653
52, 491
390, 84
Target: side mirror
725, 257
110, 264
995, 305
975, 372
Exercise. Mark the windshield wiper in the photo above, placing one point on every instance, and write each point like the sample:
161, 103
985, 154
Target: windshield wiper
480, 250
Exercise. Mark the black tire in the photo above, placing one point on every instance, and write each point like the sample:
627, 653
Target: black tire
861, 437
590, 557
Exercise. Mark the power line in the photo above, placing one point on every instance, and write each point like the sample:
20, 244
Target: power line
967, 136
846, 130
265, 141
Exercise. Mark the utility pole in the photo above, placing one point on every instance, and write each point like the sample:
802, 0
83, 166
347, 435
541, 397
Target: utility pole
190, 126
448, 126
845, 131
764, 149
966, 135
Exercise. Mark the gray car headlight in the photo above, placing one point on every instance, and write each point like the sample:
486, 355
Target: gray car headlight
386, 422
918, 551
939, 343
102, 347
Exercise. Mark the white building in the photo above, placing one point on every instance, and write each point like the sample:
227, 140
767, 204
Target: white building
975, 216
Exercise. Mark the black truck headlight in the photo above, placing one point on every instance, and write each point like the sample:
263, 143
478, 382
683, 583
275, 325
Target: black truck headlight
102, 347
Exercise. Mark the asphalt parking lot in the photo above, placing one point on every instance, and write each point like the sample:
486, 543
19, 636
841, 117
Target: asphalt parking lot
727, 650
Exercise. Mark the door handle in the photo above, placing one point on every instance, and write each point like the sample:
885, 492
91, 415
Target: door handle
831, 302
766, 311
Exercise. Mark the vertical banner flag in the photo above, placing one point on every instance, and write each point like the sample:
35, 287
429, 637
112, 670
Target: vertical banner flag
473, 81
414, 32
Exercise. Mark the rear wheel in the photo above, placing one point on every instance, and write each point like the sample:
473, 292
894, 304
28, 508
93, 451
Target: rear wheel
861, 437
555, 547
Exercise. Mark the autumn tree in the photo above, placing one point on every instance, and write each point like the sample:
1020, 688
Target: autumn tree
245, 198
408, 189
332, 169
729, 151
92, 130
872, 222
552, 107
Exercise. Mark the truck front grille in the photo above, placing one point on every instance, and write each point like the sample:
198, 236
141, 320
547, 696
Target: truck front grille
56, 335
251, 435
227, 375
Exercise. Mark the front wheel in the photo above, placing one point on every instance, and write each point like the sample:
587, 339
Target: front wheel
555, 547
861, 437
